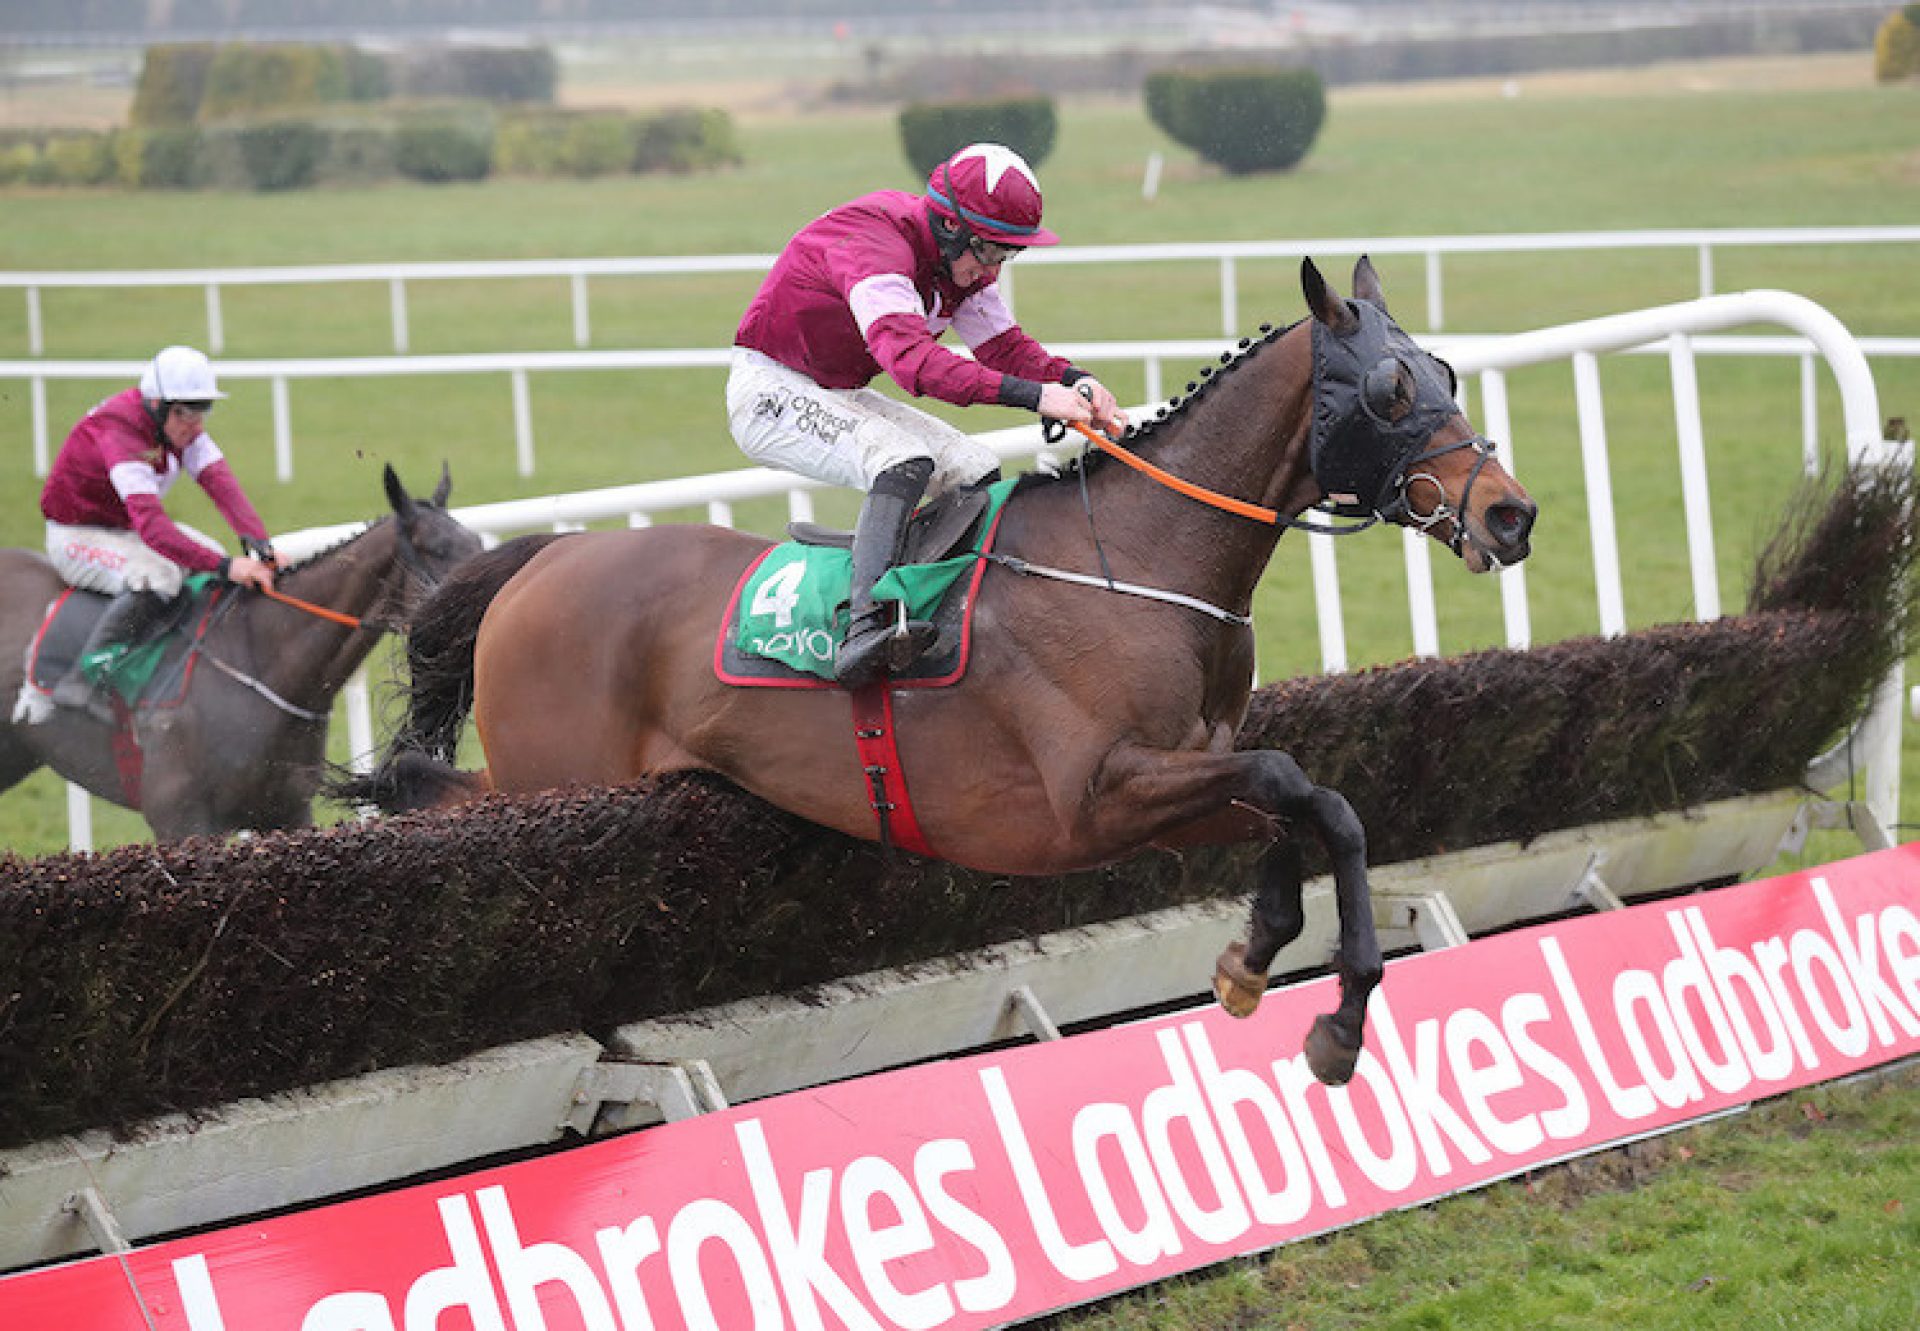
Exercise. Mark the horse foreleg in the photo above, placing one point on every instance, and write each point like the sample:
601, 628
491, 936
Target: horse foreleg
1273, 782
1333, 1045
1277, 917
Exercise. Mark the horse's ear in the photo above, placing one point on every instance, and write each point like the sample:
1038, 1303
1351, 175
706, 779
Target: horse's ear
1366, 285
397, 494
1326, 305
445, 488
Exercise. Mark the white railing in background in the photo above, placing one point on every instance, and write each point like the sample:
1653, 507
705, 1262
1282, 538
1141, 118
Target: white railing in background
517, 366
1674, 329
1225, 255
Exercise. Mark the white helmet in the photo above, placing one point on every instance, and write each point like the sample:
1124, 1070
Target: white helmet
179, 374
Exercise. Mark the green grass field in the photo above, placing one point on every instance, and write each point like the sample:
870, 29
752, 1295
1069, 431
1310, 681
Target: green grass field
1459, 161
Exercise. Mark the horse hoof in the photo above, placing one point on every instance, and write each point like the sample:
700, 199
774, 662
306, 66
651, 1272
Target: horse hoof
1238, 988
1328, 1057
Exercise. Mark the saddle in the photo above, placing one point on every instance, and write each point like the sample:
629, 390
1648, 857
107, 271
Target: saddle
944, 526
788, 612
155, 666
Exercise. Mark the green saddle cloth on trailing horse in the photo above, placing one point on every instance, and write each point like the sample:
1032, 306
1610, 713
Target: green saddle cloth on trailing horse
125, 669
788, 614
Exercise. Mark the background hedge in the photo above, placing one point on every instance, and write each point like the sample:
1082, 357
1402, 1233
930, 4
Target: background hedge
174, 977
1896, 46
1246, 119
344, 144
931, 132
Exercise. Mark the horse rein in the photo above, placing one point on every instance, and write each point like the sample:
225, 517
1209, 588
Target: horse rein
409, 559
318, 611
1398, 509
1213, 498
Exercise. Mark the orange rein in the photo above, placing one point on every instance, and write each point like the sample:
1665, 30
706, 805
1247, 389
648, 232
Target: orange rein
1213, 498
319, 611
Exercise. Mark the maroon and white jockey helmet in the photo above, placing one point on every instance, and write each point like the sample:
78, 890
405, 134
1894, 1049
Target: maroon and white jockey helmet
991, 190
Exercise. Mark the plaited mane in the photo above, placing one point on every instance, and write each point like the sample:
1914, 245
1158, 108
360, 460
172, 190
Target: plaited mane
1178, 405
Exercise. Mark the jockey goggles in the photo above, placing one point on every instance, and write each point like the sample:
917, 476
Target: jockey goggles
991, 253
199, 406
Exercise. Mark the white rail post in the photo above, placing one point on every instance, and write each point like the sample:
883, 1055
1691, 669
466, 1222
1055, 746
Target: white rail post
1880, 729
1436, 304
1326, 603
582, 333
36, 339
1809, 416
522, 423
282, 430
397, 303
1498, 422
42, 452
1693, 478
1706, 269
1421, 611
1229, 297
79, 818
216, 324
360, 742
1593, 455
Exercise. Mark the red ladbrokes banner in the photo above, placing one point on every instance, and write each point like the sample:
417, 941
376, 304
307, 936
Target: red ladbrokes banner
991, 1189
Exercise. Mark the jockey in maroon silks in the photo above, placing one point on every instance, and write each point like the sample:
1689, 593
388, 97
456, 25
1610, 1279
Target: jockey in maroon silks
106, 529
869, 287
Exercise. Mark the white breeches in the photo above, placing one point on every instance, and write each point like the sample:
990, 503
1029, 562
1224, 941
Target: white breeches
101, 559
844, 436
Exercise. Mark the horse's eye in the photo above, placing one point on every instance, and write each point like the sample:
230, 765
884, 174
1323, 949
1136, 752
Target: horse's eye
1387, 391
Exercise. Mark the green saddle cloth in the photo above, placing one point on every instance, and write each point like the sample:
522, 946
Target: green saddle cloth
793, 606
127, 668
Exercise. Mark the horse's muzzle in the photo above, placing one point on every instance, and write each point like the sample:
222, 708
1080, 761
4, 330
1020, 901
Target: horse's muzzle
1509, 530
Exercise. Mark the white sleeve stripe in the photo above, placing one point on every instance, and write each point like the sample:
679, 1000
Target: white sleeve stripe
882, 294
201, 454
134, 478
982, 317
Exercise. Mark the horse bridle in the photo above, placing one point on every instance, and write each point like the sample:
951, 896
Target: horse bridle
1400, 507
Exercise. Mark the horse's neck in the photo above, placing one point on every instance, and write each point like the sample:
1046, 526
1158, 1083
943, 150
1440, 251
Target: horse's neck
1244, 438
315, 656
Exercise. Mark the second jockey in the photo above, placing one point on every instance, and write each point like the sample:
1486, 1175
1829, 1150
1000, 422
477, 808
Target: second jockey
106, 529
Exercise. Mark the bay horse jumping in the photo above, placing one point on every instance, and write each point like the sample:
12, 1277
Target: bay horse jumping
1089, 724
244, 746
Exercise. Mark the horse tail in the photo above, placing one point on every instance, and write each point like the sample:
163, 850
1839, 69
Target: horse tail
417, 770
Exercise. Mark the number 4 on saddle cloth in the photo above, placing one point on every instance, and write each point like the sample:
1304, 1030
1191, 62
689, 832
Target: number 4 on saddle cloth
788, 613
157, 667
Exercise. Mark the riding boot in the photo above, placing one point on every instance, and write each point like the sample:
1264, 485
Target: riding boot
127, 616
877, 643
